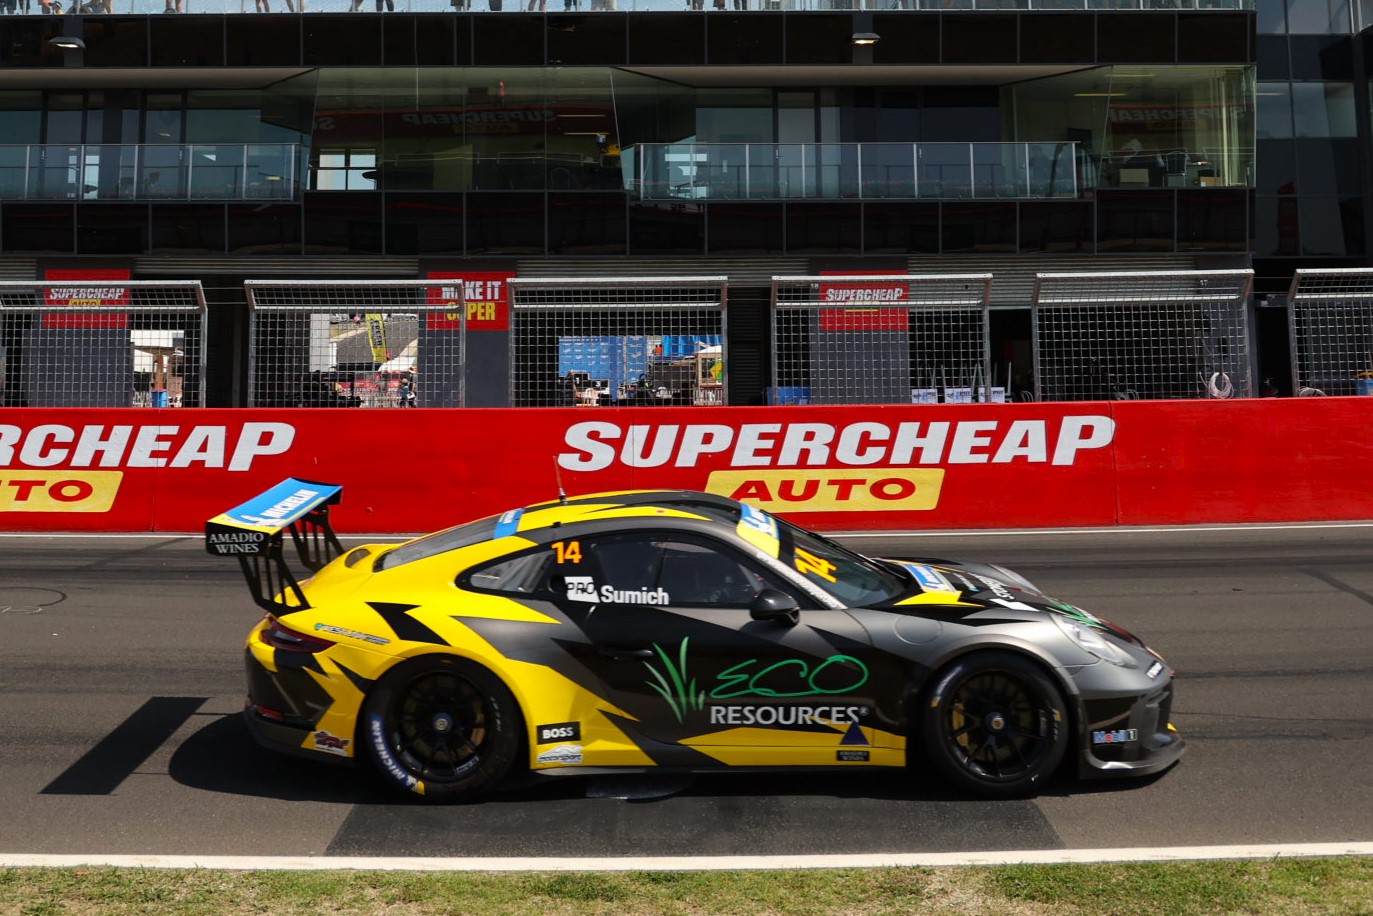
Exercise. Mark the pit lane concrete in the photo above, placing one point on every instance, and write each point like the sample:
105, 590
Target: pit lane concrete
120, 683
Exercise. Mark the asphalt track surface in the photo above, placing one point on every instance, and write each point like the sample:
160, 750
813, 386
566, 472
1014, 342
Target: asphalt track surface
121, 682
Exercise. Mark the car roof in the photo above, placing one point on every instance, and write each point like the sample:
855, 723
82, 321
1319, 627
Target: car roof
624, 504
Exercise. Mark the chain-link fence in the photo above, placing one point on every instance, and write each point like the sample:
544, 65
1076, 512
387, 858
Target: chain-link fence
1330, 315
1152, 335
102, 343
618, 341
881, 339
356, 343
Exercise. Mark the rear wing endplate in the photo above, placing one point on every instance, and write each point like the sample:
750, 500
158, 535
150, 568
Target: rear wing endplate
253, 531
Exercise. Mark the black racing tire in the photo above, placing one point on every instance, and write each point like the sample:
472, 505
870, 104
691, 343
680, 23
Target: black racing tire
441, 727
995, 724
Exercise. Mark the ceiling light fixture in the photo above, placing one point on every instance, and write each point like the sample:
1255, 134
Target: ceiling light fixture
866, 38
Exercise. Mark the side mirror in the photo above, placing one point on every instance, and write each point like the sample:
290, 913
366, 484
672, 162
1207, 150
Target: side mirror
774, 605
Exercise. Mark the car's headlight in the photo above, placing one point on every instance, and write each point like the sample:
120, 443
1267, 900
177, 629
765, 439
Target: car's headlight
1095, 642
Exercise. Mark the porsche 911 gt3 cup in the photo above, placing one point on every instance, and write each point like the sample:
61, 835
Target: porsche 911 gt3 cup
672, 631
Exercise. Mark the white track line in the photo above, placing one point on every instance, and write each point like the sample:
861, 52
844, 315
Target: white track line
695, 863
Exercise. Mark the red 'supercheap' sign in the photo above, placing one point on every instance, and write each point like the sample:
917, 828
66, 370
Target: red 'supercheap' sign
98, 304
938, 466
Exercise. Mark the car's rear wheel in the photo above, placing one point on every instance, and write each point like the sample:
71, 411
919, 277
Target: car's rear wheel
995, 724
442, 727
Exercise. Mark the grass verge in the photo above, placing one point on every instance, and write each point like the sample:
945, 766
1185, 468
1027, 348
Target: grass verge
1281, 886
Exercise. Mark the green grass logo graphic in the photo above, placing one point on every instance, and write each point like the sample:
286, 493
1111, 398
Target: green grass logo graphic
681, 694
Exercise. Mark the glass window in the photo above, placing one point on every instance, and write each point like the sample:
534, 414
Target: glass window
755, 228
667, 228
1179, 127
259, 228
1274, 111
432, 545
1052, 38
1055, 225
510, 223
1331, 226
817, 228
819, 39
187, 41
667, 38
587, 40
116, 41
1213, 220
981, 38
21, 117
1211, 36
1134, 221
1272, 57
901, 228
344, 170
1136, 37
340, 223
1276, 233
261, 41
1323, 109
39, 228
1312, 17
581, 223
522, 575
852, 578
1327, 167
338, 40
659, 569
425, 223
187, 229
112, 229
1272, 18
979, 227
423, 39
1277, 167
732, 39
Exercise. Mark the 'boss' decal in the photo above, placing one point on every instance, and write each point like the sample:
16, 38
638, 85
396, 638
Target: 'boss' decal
560, 731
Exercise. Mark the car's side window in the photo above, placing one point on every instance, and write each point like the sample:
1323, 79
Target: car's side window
521, 575
662, 569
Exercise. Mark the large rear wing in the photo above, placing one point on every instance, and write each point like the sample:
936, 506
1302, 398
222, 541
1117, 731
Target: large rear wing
252, 532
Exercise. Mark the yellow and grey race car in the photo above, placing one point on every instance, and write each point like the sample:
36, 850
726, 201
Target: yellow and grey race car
672, 630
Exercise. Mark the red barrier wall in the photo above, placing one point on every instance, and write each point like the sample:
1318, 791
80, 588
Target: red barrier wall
835, 468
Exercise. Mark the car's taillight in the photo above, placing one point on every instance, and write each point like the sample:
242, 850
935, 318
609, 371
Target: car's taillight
279, 636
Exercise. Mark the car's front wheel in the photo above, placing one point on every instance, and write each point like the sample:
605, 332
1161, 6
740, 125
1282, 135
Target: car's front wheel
995, 724
442, 727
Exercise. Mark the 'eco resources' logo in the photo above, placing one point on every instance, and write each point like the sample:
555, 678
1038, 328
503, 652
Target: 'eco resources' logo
861, 466
43, 468
784, 679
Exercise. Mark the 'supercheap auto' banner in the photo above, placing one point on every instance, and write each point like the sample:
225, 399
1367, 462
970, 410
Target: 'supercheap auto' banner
834, 468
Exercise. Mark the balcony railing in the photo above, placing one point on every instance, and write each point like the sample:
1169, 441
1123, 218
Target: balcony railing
275, 7
837, 171
102, 171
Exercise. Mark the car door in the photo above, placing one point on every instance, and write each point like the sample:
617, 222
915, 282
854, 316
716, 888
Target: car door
671, 638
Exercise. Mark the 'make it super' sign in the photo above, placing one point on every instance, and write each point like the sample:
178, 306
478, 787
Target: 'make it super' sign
483, 296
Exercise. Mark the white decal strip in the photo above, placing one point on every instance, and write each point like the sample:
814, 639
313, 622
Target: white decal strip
697, 863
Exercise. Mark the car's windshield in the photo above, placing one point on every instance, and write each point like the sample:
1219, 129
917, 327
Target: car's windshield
848, 576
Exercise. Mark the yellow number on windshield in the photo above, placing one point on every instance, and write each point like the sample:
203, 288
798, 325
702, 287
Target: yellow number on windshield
568, 551
808, 562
